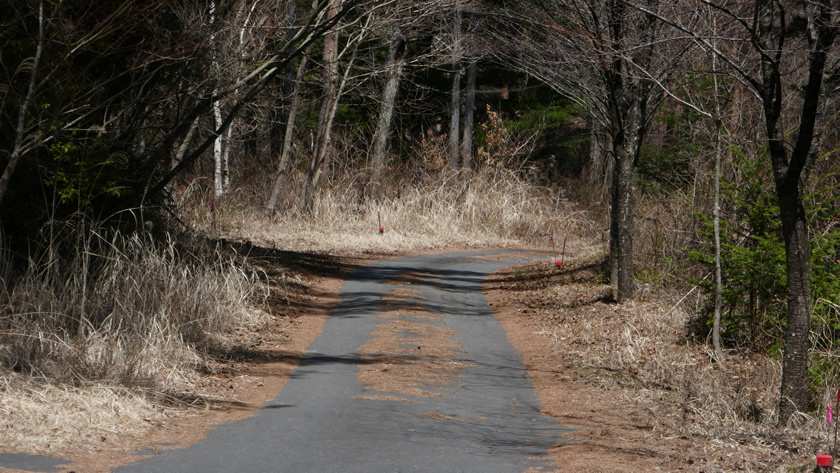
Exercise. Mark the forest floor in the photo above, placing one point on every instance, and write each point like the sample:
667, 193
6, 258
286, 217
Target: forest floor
623, 422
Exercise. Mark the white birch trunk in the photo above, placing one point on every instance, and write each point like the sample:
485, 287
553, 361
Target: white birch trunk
218, 175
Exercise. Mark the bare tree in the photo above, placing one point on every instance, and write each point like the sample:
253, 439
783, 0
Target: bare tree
778, 52
334, 84
394, 68
401, 24
285, 160
320, 21
147, 111
611, 59
469, 96
455, 97
791, 166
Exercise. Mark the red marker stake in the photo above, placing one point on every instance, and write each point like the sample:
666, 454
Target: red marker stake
563, 254
381, 228
559, 262
824, 462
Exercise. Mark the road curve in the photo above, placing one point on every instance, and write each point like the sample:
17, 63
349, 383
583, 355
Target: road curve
483, 417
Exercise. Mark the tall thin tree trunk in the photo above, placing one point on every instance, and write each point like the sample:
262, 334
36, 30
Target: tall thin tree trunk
218, 188
182, 148
327, 138
286, 150
469, 117
17, 149
716, 215
330, 93
379, 151
226, 158
218, 173
289, 88
716, 225
455, 104
329, 104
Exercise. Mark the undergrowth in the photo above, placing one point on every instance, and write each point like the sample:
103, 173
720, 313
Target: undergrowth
639, 352
103, 328
494, 206
120, 309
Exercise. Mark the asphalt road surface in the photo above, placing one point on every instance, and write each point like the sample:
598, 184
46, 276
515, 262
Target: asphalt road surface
326, 420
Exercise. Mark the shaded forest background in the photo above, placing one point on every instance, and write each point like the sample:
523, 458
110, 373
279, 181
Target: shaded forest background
134, 131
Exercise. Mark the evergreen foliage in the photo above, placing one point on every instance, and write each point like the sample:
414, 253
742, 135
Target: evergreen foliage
753, 260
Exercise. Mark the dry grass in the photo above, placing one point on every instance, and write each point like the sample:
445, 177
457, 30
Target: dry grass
638, 351
121, 311
92, 340
40, 417
494, 207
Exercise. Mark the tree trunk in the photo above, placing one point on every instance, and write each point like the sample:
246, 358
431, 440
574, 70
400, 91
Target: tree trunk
328, 102
218, 175
621, 226
795, 379
790, 173
379, 152
716, 342
469, 117
182, 148
333, 86
286, 150
218, 188
626, 144
716, 225
455, 103
226, 158
21, 124
287, 97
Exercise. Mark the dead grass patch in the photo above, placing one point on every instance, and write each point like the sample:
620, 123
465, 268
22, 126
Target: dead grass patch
380, 397
410, 277
406, 356
626, 376
40, 418
439, 416
230, 371
494, 207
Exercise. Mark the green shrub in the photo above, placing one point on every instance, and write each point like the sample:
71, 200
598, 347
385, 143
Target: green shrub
753, 260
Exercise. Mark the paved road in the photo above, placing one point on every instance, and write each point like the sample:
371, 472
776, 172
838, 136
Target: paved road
485, 418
